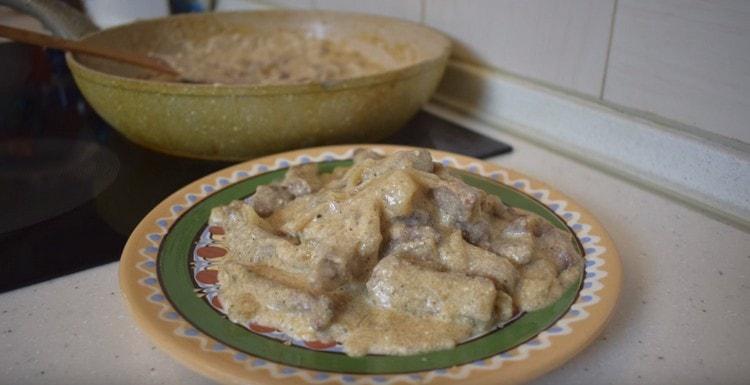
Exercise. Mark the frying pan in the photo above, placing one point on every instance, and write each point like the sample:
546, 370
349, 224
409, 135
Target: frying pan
240, 121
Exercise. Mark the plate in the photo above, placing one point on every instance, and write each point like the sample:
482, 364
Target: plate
167, 280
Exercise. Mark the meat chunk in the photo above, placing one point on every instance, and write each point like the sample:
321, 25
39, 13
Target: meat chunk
538, 286
456, 201
349, 238
419, 160
528, 236
415, 159
268, 198
420, 216
295, 215
302, 180
416, 241
413, 236
526, 225
298, 181
517, 250
558, 246
472, 210
361, 154
400, 285
493, 206
516, 241
250, 297
482, 226
478, 231
457, 255
397, 192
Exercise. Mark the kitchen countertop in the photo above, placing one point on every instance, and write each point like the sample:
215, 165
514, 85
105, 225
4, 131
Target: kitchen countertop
683, 315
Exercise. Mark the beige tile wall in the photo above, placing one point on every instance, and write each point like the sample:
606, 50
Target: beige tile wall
560, 42
688, 60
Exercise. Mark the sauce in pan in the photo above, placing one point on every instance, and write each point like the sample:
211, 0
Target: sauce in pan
284, 57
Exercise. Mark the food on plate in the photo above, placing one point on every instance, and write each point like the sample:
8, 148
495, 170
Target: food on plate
393, 255
282, 57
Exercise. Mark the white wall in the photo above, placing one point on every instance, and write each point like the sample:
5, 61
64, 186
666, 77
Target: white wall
559, 42
688, 60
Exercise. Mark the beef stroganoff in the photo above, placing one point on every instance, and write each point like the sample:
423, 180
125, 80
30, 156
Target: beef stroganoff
393, 255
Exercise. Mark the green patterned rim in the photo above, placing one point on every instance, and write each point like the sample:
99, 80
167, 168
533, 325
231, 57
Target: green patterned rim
175, 277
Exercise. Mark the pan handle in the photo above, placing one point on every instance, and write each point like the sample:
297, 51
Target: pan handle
58, 17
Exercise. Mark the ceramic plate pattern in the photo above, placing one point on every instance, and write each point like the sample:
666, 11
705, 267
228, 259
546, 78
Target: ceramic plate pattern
170, 289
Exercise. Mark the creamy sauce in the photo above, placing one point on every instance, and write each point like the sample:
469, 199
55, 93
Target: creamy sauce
393, 256
283, 57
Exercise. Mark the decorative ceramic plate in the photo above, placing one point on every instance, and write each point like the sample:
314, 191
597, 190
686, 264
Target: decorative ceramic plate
168, 281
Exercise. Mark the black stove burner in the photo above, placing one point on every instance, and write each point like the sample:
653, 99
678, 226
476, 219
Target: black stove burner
430, 131
72, 189
45, 177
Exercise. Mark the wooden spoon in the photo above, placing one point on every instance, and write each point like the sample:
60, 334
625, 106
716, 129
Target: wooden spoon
29, 37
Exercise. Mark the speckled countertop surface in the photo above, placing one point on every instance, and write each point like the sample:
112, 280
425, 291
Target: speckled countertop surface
683, 316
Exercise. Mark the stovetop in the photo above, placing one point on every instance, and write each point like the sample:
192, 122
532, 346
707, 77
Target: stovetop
72, 189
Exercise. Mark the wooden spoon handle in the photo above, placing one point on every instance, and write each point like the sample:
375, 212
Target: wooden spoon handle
30, 37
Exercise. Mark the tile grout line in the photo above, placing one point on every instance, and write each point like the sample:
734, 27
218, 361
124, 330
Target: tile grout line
609, 48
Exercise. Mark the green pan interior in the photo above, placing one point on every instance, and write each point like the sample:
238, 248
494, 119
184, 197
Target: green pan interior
175, 277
